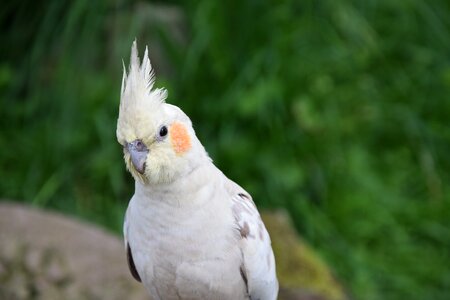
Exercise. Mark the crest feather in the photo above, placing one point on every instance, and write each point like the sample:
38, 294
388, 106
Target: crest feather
140, 104
140, 78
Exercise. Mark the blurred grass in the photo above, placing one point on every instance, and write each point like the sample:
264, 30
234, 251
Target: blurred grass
335, 110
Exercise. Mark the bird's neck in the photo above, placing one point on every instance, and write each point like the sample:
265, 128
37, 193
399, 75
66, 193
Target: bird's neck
190, 189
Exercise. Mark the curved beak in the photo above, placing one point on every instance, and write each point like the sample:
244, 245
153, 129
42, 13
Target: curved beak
138, 153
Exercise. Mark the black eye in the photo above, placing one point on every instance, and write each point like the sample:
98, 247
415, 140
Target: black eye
163, 131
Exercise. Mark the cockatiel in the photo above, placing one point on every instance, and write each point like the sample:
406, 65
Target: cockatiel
190, 232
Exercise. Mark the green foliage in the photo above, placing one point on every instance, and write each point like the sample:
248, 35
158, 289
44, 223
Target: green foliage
335, 110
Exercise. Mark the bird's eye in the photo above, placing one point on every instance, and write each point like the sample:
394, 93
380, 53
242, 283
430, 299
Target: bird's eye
163, 131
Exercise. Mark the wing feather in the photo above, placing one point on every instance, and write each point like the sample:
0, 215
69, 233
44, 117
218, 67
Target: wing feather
130, 259
131, 265
258, 263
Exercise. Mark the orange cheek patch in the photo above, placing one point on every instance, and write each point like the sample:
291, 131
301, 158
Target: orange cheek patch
179, 136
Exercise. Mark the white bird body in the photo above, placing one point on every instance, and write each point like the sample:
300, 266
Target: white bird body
190, 232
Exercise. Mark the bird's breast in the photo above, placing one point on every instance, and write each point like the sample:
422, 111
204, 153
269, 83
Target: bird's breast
186, 251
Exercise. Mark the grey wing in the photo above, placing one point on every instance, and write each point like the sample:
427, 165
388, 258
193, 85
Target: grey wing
130, 260
258, 262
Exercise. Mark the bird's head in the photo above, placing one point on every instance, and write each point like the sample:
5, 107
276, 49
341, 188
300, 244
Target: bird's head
158, 139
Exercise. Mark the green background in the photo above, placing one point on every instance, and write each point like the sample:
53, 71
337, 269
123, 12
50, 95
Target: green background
337, 111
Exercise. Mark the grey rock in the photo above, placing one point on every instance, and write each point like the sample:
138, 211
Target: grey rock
44, 255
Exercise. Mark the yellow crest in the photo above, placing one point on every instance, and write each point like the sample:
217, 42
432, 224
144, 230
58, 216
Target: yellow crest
139, 102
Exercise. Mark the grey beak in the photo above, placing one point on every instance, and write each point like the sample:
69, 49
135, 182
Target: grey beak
138, 152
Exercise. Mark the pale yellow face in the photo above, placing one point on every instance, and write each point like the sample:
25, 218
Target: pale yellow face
161, 156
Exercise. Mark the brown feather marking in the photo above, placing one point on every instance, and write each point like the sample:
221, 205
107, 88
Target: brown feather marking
245, 230
131, 265
261, 230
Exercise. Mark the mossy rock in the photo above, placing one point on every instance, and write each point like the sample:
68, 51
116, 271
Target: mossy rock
301, 272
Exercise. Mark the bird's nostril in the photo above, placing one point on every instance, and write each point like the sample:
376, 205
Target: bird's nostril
139, 145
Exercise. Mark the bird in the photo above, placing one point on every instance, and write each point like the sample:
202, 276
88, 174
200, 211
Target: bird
189, 231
